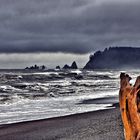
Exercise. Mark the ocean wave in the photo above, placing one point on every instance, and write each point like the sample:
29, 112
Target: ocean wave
27, 96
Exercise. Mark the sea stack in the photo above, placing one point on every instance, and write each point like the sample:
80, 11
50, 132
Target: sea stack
74, 65
58, 67
66, 67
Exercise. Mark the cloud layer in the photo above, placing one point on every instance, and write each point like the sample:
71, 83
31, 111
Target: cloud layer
71, 26
51, 60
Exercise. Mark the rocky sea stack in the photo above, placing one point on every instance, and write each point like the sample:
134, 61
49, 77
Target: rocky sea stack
115, 58
58, 67
73, 66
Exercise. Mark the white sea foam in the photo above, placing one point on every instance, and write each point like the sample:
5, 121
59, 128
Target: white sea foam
76, 71
46, 73
40, 99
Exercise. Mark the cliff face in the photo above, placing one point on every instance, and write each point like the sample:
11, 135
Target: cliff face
115, 58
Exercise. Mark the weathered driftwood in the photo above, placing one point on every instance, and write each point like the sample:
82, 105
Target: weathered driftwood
129, 97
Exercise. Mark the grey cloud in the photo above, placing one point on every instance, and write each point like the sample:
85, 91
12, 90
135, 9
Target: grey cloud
72, 26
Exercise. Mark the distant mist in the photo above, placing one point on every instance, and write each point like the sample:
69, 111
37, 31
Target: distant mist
51, 60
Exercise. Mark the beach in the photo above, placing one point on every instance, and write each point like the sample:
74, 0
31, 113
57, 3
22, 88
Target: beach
97, 125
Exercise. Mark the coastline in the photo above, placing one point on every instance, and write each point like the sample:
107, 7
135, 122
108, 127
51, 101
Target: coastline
96, 125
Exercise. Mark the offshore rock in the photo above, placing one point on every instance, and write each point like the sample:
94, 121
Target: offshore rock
74, 65
66, 67
58, 67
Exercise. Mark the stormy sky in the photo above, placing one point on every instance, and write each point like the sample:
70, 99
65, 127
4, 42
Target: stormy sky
47, 31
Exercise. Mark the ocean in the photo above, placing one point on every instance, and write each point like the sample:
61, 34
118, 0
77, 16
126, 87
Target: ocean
31, 95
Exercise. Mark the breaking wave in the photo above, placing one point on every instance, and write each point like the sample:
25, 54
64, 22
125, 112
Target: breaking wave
34, 95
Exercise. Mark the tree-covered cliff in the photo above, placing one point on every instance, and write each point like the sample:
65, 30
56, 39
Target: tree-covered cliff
115, 58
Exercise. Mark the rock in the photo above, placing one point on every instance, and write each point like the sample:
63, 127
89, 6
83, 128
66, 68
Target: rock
115, 58
74, 65
66, 67
35, 67
43, 67
58, 67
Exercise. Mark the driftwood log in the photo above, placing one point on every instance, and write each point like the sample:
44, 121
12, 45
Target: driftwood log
129, 98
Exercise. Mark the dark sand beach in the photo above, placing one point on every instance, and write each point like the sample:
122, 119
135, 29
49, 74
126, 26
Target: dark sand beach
98, 125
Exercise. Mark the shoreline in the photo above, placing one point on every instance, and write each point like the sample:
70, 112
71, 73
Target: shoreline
110, 103
59, 117
96, 125
114, 105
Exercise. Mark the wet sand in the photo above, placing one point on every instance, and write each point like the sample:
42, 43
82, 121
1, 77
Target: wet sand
98, 125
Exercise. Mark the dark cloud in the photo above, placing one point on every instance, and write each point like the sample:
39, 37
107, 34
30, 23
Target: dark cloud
72, 26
